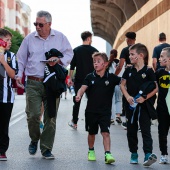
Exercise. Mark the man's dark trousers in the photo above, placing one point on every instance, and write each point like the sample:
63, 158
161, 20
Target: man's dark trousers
76, 105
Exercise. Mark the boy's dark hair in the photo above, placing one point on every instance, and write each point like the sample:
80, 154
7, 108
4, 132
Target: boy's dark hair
141, 48
101, 54
113, 55
131, 35
4, 33
85, 35
162, 36
167, 49
113, 52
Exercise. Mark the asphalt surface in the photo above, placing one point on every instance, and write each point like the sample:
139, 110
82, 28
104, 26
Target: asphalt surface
70, 147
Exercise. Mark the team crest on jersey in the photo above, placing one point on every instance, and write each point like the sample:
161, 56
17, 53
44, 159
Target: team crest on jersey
9, 59
143, 75
130, 74
107, 82
92, 82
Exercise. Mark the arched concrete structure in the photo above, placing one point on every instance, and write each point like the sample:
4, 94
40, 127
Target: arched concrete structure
108, 16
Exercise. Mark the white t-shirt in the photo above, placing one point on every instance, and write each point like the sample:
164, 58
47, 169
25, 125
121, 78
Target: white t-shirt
112, 69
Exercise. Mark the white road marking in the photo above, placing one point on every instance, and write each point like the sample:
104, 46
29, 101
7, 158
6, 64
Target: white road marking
13, 116
22, 115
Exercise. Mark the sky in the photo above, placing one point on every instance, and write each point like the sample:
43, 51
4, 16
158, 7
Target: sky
71, 17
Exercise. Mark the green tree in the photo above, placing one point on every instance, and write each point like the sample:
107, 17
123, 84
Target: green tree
16, 40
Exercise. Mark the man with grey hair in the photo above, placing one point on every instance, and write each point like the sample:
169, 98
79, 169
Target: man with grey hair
30, 53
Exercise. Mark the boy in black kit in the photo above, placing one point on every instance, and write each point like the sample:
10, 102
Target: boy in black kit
133, 80
163, 102
100, 86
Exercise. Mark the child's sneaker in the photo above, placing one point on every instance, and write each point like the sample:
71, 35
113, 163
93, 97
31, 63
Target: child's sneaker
118, 120
134, 158
112, 121
91, 155
3, 157
139, 129
163, 159
109, 158
71, 124
149, 159
124, 125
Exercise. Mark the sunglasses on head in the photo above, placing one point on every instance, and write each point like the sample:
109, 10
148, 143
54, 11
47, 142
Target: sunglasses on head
39, 24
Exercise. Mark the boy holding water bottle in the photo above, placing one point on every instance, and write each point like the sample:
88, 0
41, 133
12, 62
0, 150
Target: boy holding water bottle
133, 78
99, 86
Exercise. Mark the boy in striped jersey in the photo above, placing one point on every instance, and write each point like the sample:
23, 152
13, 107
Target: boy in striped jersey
9, 64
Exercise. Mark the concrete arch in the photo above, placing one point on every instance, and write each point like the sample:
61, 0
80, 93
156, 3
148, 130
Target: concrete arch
109, 19
139, 3
111, 9
100, 33
128, 7
112, 13
111, 33
105, 24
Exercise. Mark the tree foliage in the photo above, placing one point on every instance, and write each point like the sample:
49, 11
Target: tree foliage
16, 40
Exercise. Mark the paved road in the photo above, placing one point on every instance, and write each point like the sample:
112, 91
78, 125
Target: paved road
70, 147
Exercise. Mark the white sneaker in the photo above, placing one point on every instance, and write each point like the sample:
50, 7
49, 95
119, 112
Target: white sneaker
71, 124
112, 122
163, 159
149, 159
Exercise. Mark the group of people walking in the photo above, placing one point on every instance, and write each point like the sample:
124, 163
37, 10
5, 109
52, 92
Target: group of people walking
135, 93
46, 52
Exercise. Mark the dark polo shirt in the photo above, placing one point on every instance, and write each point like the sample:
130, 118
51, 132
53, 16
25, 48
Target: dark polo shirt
100, 91
82, 61
125, 54
135, 79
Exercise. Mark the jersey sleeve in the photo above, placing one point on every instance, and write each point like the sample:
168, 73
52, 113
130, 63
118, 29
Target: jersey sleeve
14, 63
116, 79
126, 73
123, 54
151, 74
73, 61
157, 75
87, 80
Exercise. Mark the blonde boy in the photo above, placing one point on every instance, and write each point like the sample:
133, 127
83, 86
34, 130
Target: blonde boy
100, 86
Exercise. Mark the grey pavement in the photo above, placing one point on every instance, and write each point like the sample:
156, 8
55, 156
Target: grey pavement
70, 147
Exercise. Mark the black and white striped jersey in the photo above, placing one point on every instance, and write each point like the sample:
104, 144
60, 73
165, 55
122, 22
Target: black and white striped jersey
6, 92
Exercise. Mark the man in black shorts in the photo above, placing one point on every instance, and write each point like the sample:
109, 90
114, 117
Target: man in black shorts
83, 62
100, 86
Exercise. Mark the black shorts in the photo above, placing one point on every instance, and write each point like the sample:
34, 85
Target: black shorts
95, 120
